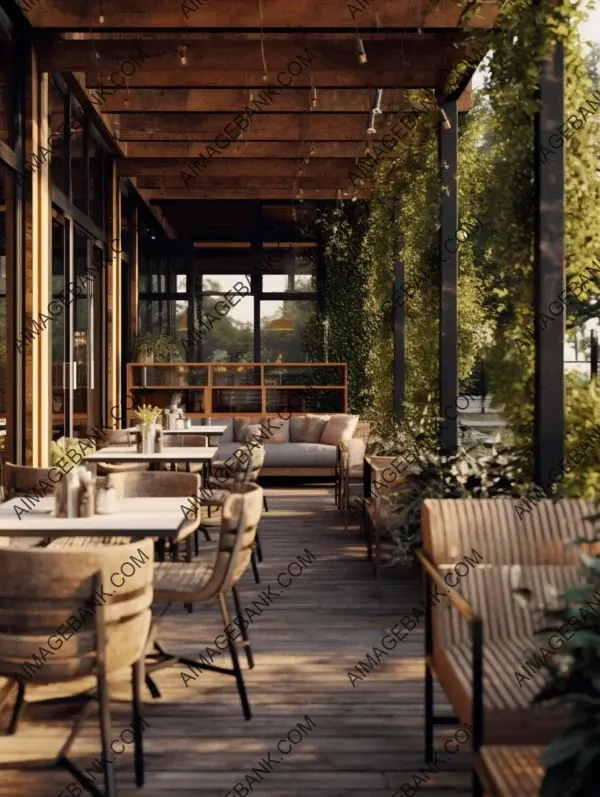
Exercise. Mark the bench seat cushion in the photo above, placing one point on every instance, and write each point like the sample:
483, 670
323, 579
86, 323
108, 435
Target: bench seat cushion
288, 455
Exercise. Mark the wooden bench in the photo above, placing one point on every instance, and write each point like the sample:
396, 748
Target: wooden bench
510, 771
477, 674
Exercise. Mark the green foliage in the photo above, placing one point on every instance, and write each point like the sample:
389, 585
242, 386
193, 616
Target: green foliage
501, 127
163, 347
572, 759
348, 294
466, 474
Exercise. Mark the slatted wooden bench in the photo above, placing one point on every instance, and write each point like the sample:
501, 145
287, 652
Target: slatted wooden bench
478, 639
477, 673
510, 771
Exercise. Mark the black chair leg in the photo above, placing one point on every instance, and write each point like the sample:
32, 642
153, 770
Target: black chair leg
196, 543
137, 679
17, 710
428, 713
245, 637
259, 552
205, 532
254, 567
106, 736
237, 670
266, 506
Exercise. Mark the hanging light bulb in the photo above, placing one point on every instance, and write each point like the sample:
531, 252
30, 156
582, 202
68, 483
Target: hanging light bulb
378, 98
313, 98
94, 54
126, 100
251, 98
372, 130
445, 121
101, 13
183, 55
306, 159
312, 151
362, 56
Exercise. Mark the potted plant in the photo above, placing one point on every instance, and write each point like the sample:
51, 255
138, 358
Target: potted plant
474, 471
572, 759
148, 418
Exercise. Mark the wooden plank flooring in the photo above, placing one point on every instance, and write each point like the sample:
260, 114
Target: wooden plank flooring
366, 739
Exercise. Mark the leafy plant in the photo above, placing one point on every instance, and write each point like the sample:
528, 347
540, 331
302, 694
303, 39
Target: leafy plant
163, 347
58, 448
434, 475
147, 415
573, 758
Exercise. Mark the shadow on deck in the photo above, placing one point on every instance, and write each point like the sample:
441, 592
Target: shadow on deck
365, 739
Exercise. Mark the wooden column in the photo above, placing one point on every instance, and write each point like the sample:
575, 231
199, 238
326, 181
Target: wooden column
134, 270
37, 220
448, 354
113, 298
399, 318
549, 275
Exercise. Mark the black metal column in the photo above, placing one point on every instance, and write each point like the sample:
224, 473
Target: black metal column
448, 355
399, 319
549, 274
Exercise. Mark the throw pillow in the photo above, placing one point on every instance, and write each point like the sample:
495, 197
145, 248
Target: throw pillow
239, 423
312, 428
339, 427
276, 430
253, 433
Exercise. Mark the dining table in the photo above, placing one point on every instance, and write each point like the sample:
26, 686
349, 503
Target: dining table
199, 430
137, 518
169, 455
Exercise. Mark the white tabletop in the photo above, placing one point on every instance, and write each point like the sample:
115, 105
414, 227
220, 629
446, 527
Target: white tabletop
205, 430
174, 454
135, 517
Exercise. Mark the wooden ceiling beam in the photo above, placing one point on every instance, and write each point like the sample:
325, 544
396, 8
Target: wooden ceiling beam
214, 194
263, 127
245, 149
69, 55
139, 100
265, 181
238, 167
121, 14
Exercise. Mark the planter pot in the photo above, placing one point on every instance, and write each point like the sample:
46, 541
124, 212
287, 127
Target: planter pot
146, 443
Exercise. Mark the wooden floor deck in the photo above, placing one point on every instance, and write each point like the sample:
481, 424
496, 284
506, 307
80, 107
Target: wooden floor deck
367, 739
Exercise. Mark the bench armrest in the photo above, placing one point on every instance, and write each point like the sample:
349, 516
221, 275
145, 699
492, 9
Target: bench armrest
463, 607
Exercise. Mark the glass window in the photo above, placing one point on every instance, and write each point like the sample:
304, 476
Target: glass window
282, 330
287, 271
224, 330
223, 283
97, 177
56, 124
7, 75
78, 164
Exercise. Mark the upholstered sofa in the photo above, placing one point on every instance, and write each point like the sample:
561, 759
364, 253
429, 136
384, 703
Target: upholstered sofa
304, 445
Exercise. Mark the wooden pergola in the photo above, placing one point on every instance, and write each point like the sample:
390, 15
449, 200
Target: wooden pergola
167, 83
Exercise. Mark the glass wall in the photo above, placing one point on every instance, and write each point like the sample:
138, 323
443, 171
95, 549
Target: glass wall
80, 168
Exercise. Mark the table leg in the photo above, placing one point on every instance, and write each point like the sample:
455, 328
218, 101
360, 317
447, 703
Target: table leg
367, 475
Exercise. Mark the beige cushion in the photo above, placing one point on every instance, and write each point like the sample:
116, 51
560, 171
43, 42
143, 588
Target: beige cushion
339, 427
239, 423
309, 428
276, 430
253, 432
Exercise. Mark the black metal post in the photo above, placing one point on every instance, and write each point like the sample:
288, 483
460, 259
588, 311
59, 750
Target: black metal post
399, 320
549, 274
448, 355
593, 357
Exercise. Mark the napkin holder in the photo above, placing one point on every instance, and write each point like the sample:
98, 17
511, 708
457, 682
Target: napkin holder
74, 495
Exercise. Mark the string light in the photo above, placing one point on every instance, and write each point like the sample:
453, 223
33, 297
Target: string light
183, 55
362, 56
313, 98
445, 121
378, 98
372, 130
101, 13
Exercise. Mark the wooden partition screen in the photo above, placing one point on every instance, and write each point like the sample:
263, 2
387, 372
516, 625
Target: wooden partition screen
222, 389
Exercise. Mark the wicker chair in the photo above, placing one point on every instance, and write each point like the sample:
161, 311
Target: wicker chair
363, 433
219, 490
179, 582
118, 437
40, 590
351, 468
21, 480
163, 483
184, 440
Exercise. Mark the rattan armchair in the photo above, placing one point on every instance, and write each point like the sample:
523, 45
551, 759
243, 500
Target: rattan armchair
40, 591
